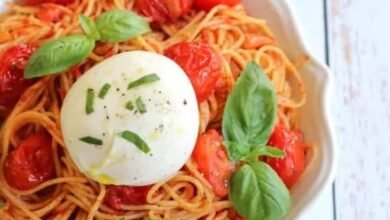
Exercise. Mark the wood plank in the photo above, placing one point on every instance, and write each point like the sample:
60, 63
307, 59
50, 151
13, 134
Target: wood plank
359, 46
310, 16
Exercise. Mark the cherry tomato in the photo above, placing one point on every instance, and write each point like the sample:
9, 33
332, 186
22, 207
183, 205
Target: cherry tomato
126, 195
209, 4
50, 13
163, 10
31, 163
12, 83
290, 167
213, 162
38, 2
202, 65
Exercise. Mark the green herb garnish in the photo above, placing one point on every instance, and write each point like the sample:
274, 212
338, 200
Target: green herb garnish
90, 101
136, 140
91, 140
129, 105
255, 189
140, 105
120, 25
144, 80
104, 90
58, 55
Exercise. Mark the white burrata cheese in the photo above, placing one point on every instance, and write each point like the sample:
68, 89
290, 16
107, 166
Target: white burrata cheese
169, 126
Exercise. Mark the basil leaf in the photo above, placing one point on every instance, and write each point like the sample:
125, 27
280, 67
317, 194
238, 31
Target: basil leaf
89, 27
136, 140
257, 192
58, 55
250, 112
264, 151
120, 25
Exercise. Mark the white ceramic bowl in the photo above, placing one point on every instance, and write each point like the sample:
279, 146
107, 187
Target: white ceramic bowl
315, 115
315, 120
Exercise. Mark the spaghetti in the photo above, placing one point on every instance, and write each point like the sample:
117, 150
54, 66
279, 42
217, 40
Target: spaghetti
238, 37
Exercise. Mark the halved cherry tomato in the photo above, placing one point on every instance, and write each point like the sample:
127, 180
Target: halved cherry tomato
38, 2
12, 83
50, 13
209, 4
31, 163
202, 65
163, 10
292, 166
126, 195
213, 162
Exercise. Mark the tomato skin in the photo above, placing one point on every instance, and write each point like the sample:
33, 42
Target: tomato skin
126, 195
162, 11
202, 65
49, 13
213, 162
12, 83
38, 2
292, 165
209, 4
31, 163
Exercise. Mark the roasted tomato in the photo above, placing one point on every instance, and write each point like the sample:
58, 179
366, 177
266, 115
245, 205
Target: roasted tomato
202, 65
31, 163
209, 4
12, 83
50, 13
213, 162
38, 2
163, 10
291, 142
126, 195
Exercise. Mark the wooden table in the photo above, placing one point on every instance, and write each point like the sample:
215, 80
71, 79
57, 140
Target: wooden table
353, 37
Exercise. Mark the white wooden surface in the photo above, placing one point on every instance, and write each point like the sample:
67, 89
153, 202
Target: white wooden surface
359, 45
359, 36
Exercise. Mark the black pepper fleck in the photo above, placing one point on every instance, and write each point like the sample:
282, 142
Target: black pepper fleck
168, 102
149, 100
159, 92
117, 89
123, 94
107, 117
185, 102
104, 134
105, 107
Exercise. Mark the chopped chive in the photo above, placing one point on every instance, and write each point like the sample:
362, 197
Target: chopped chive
91, 140
90, 100
104, 90
136, 140
140, 105
144, 80
129, 105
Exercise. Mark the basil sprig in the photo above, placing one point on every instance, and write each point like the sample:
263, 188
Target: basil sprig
258, 193
120, 25
58, 55
255, 189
